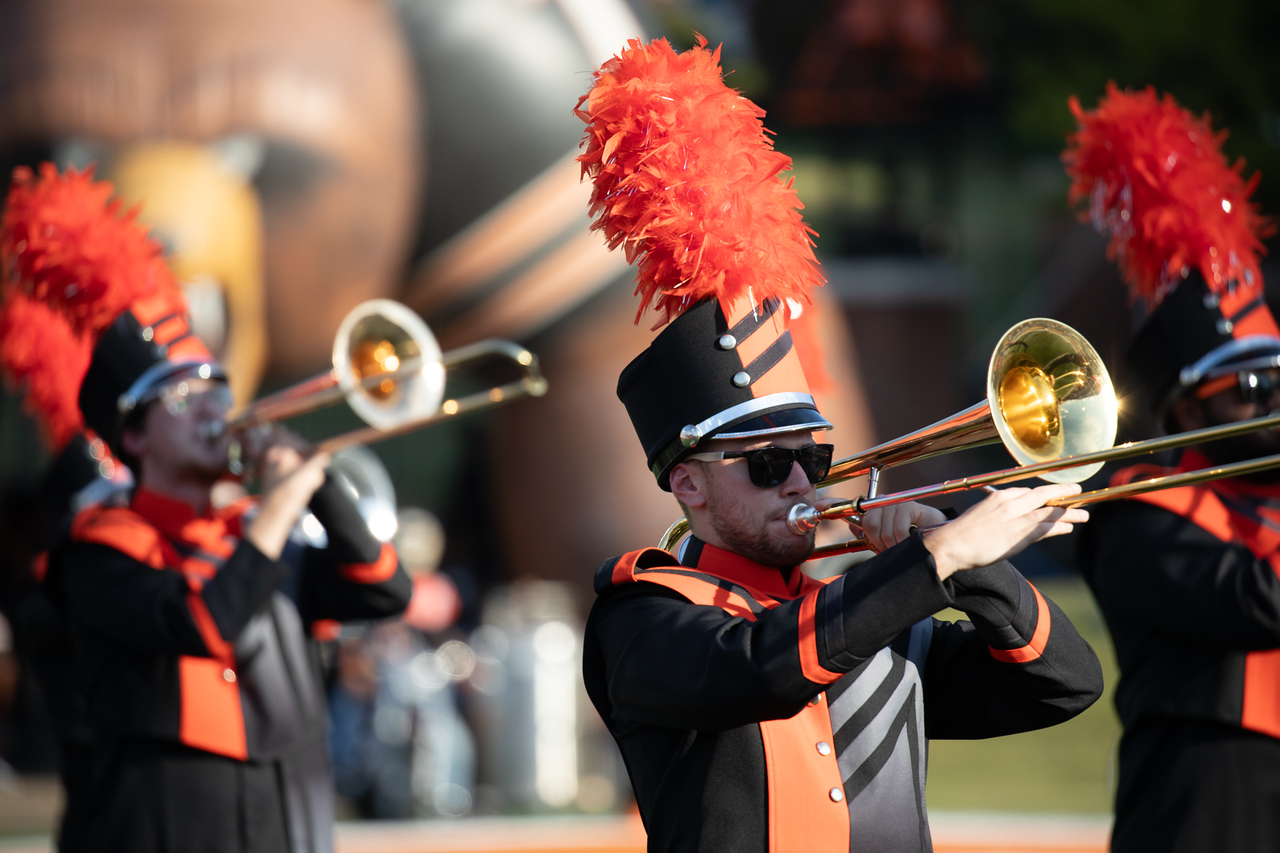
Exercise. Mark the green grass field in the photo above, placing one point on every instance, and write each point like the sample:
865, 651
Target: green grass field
1067, 768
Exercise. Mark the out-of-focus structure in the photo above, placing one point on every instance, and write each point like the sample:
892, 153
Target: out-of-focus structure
313, 101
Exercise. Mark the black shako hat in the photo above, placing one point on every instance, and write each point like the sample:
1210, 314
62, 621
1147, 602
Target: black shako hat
132, 360
1194, 335
711, 376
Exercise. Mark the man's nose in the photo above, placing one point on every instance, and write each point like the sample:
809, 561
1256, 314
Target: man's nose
201, 401
797, 482
208, 402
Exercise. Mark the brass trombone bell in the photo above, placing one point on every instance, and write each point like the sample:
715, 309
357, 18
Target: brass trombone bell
1048, 396
373, 341
389, 369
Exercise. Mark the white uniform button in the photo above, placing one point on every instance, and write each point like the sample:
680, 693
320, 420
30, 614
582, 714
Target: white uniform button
228, 674
816, 699
823, 747
837, 794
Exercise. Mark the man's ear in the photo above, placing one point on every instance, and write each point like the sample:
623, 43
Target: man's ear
688, 485
1186, 413
133, 439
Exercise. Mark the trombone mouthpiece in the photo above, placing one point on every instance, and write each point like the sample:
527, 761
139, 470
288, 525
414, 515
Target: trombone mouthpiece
802, 518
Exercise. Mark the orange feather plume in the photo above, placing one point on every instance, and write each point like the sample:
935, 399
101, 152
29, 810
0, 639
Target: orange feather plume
42, 353
72, 262
1158, 183
688, 182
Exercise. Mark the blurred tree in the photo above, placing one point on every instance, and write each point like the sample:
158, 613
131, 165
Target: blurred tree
1214, 55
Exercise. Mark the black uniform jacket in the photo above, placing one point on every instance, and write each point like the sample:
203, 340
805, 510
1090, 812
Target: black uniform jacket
202, 687
1187, 580
757, 709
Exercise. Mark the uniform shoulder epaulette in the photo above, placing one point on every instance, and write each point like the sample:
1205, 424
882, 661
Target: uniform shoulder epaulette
122, 529
620, 570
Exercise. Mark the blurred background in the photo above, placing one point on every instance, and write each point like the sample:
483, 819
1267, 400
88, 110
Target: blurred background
300, 156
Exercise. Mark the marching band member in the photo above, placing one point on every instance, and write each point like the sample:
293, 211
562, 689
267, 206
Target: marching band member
1187, 577
200, 684
757, 709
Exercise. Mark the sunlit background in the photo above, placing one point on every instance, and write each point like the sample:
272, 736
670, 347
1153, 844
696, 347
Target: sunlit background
300, 156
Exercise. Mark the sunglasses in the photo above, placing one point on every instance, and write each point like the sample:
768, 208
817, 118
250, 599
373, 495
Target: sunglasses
1255, 386
770, 466
179, 396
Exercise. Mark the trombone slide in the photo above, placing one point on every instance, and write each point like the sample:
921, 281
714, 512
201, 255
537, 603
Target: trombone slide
389, 369
530, 384
804, 518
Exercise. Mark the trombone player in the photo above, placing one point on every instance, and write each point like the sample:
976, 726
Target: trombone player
1189, 578
757, 709
203, 694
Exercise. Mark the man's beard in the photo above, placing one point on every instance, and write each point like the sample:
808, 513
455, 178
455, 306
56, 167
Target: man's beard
755, 543
204, 473
207, 467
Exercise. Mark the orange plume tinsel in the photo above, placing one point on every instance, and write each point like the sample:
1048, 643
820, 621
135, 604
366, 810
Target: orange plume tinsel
688, 182
1158, 183
72, 261
41, 352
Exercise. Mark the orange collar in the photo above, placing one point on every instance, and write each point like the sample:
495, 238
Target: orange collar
778, 584
178, 521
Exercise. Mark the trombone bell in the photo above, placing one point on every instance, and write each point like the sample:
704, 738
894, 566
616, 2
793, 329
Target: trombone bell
381, 338
1050, 397
1029, 408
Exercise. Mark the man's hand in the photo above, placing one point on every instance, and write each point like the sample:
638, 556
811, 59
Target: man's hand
289, 479
285, 469
886, 526
1000, 526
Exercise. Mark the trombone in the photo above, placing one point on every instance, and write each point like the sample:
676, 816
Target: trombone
390, 370
1051, 402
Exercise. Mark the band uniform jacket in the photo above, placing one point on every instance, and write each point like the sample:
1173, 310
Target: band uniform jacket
202, 688
1187, 581
759, 710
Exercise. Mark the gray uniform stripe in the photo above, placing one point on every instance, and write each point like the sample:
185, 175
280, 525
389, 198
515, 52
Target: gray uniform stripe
877, 716
917, 652
886, 796
882, 725
901, 728
873, 674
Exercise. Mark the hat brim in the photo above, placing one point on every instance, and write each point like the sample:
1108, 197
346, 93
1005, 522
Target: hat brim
147, 386
774, 423
1260, 355
1252, 353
